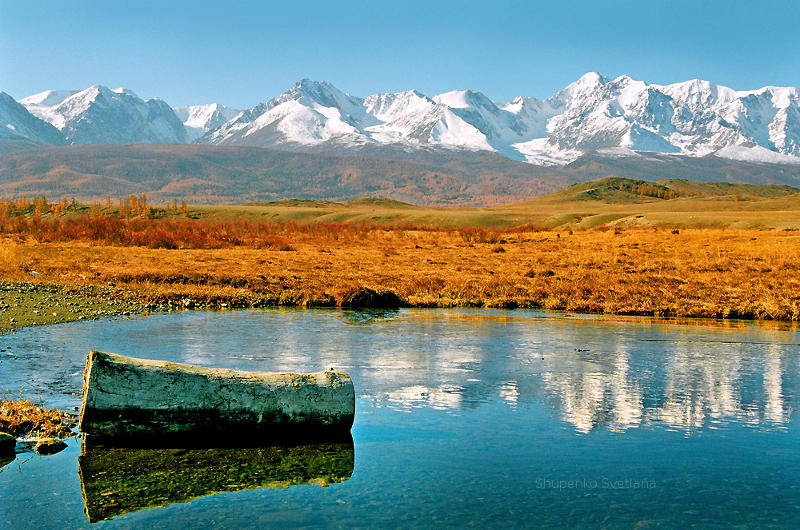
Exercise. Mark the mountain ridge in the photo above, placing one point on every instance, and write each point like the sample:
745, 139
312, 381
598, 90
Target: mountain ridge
102, 115
593, 114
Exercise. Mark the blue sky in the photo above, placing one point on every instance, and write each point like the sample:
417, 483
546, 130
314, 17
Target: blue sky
241, 53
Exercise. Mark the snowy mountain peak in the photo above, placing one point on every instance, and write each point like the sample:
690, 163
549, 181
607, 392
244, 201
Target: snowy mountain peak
47, 98
310, 112
126, 91
588, 82
312, 86
319, 92
100, 115
463, 99
388, 107
591, 78
200, 119
699, 92
97, 90
515, 105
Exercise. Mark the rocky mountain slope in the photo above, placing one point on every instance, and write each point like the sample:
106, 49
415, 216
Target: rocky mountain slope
16, 122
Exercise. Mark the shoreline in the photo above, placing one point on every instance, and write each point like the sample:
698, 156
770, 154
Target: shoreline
26, 304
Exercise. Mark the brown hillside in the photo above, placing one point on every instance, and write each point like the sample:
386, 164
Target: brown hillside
224, 175
227, 175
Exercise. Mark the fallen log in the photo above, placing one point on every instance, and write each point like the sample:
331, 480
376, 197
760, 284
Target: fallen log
154, 403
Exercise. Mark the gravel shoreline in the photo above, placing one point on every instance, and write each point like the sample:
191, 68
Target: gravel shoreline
31, 304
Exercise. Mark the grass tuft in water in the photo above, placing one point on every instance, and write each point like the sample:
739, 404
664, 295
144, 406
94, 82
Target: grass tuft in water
22, 418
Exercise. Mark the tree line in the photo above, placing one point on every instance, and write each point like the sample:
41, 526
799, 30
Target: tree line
133, 206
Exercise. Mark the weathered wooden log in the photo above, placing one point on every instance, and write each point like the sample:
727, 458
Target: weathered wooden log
154, 402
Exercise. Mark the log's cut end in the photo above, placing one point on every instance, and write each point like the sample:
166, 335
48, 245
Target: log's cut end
152, 401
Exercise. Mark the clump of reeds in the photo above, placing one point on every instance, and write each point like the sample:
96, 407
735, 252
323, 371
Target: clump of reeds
22, 418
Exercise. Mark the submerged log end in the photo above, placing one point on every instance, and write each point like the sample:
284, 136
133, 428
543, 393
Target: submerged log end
125, 397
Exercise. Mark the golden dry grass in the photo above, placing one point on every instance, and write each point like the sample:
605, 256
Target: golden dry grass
23, 418
719, 273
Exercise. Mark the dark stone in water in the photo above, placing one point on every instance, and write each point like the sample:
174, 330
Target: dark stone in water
367, 298
50, 446
7, 444
6, 459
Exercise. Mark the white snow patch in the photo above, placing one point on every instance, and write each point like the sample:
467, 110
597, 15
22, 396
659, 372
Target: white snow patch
455, 132
618, 152
47, 98
455, 99
538, 151
756, 154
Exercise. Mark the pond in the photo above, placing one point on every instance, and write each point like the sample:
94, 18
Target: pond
463, 417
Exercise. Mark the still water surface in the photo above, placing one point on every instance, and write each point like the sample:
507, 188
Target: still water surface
464, 417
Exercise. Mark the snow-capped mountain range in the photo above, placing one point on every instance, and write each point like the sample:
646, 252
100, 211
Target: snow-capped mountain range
615, 117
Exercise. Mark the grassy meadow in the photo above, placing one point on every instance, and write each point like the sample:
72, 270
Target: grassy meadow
577, 207
614, 247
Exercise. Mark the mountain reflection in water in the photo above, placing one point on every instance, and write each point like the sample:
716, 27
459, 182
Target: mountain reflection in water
617, 384
694, 390
121, 480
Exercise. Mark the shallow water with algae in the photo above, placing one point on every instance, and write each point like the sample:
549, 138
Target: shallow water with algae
464, 417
